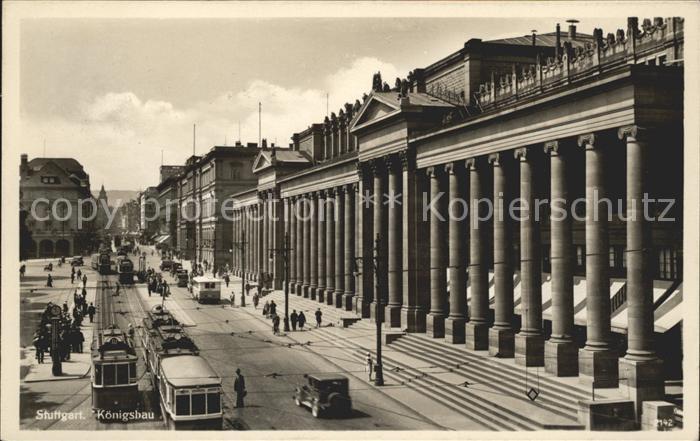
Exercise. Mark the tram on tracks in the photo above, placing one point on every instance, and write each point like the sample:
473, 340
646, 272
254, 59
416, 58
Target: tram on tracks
125, 269
190, 391
102, 262
114, 377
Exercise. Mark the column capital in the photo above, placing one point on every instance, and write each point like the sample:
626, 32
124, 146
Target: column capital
435, 171
552, 147
394, 162
521, 154
362, 170
473, 163
455, 167
330, 192
349, 188
378, 166
587, 140
408, 160
633, 131
495, 159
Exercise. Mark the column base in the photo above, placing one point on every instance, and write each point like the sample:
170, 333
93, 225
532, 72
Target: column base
561, 358
435, 325
477, 336
330, 296
361, 308
501, 343
393, 316
321, 294
373, 313
645, 381
529, 350
313, 291
306, 291
347, 301
598, 368
455, 330
338, 299
413, 319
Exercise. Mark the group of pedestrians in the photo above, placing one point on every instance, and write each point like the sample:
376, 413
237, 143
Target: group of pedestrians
156, 283
70, 338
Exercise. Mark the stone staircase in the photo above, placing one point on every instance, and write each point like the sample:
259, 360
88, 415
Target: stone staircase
490, 392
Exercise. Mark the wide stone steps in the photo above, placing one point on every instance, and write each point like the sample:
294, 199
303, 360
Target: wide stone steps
478, 372
446, 394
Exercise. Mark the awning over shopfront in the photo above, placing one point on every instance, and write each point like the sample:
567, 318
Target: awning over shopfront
163, 239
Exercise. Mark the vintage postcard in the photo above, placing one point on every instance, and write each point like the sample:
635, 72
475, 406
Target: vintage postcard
300, 220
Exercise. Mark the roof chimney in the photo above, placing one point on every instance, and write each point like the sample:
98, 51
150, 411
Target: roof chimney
557, 47
572, 28
534, 37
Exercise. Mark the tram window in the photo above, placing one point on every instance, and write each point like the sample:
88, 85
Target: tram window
109, 374
122, 374
182, 404
132, 370
98, 374
198, 404
213, 402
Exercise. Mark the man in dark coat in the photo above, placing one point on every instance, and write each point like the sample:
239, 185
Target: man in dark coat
319, 314
239, 388
84, 280
273, 308
91, 311
302, 320
294, 317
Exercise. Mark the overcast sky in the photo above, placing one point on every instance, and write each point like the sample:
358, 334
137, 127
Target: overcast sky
114, 93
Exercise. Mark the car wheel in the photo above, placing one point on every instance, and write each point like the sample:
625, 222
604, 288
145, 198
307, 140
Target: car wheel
297, 402
315, 411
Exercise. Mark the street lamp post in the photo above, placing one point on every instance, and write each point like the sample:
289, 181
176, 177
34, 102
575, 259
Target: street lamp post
241, 245
56, 368
284, 252
379, 376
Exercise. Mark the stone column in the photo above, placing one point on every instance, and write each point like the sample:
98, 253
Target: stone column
477, 332
529, 342
277, 240
457, 211
641, 367
501, 335
265, 237
330, 246
299, 244
257, 251
250, 261
339, 264
598, 362
321, 238
365, 242
307, 208
394, 245
349, 246
435, 322
379, 248
315, 245
291, 212
415, 278
560, 351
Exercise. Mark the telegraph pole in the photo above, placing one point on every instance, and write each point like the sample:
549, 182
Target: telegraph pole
285, 253
241, 246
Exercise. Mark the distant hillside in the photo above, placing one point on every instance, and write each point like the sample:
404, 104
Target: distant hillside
117, 198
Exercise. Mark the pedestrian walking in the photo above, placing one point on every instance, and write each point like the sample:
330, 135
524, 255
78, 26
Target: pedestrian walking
22, 270
266, 309
233, 299
369, 365
91, 311
79, 274
84, 280
84, 292
239, 388
256, 300
72, 277
273, 308
65, 307
227, 279
49, 281
318, 314
294, 317
38, 349
301, 320
276, 324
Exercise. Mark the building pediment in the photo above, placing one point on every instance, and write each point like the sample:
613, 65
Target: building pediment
261, 162
374, 109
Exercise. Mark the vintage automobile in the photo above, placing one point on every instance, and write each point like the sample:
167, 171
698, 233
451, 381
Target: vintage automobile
325, 394
76, 261
165, 265
182, 278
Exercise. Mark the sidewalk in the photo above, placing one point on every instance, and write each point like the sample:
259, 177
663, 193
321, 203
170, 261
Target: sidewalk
79, 365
